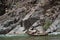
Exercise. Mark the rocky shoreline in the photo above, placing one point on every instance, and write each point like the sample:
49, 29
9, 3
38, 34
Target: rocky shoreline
31, 17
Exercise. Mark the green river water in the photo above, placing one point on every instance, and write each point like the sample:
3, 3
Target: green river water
49, 37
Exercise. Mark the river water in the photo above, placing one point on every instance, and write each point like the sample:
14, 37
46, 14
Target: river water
49, 37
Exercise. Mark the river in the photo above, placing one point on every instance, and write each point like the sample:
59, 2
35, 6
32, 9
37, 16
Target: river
49, 37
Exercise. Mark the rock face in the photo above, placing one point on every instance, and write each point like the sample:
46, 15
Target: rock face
28, 16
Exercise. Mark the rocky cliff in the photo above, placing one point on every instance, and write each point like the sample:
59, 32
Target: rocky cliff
28, 16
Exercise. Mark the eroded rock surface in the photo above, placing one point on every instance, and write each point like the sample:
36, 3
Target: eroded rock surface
29, 16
